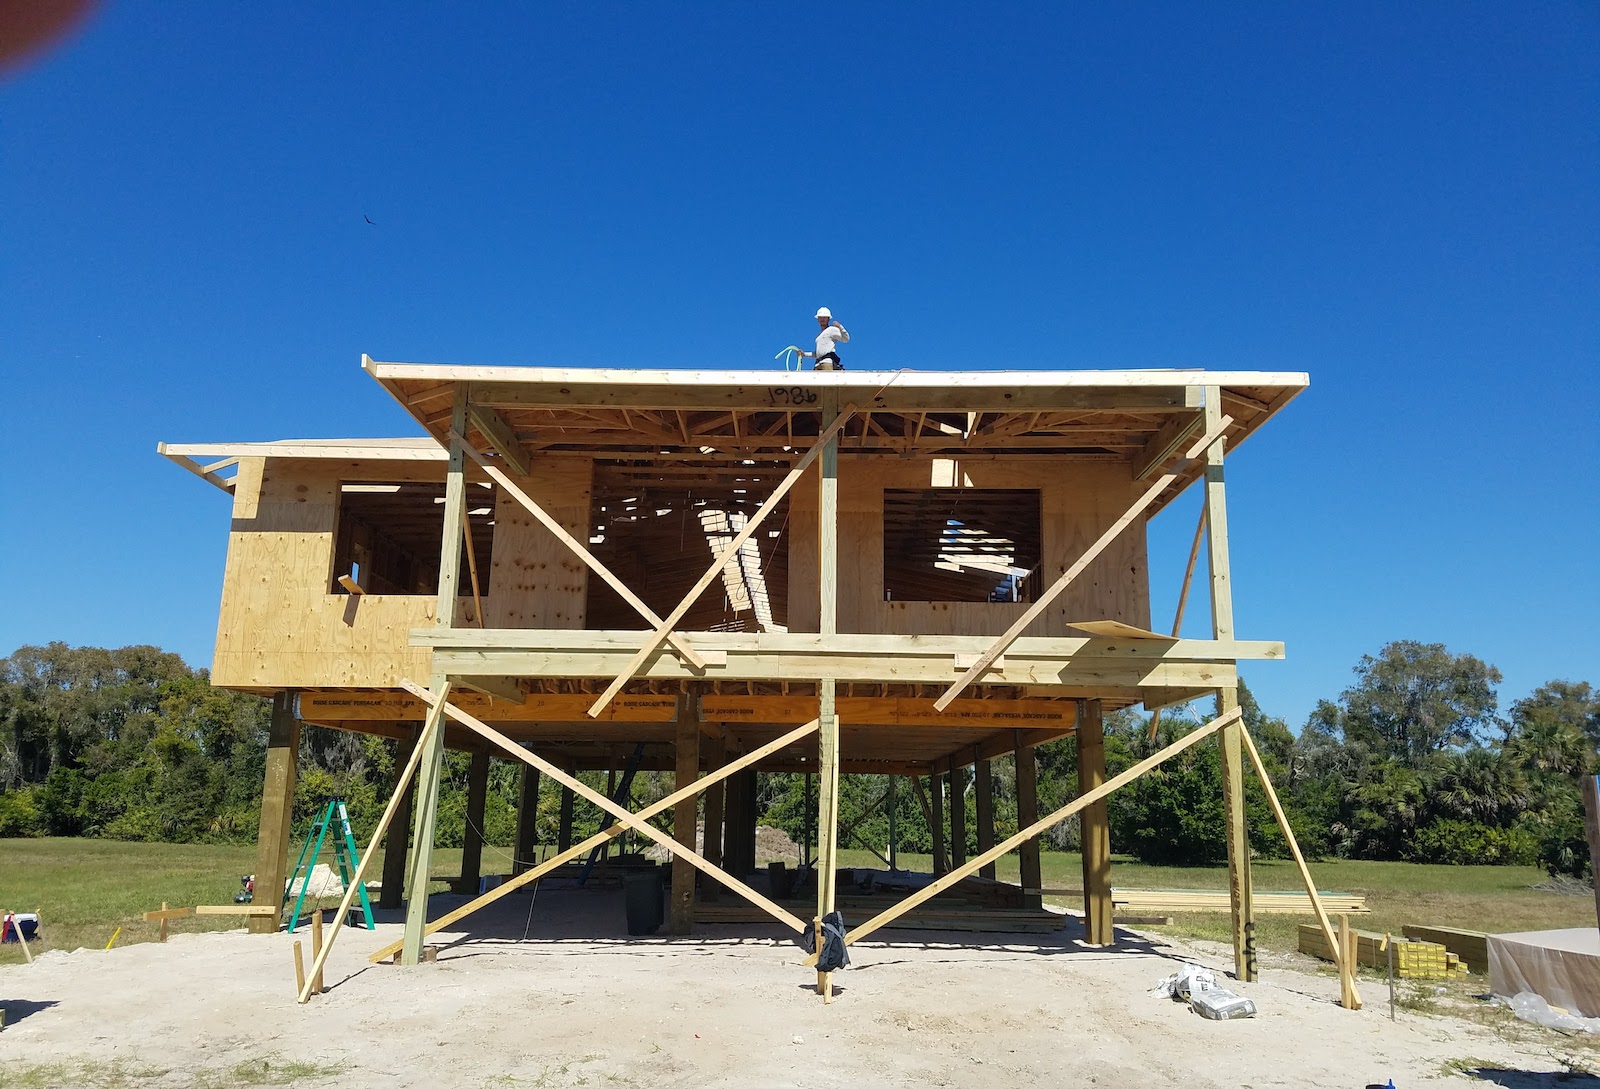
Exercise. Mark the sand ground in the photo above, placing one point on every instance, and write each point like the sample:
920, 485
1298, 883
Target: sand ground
581, 1003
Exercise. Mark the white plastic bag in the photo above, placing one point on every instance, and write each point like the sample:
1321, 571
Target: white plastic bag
1188, 980
1532, 1008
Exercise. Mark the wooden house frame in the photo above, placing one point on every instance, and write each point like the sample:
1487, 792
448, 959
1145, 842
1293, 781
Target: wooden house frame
534, 646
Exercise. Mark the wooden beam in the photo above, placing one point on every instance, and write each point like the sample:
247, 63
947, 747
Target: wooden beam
1013, 633
561, 534
1168, 440
1029, 872
500, 436
277, 808
527, 848
1233, 800
624, 641
632, 821
397, 844
472, 834
958, 815
929, 891
200, 471
983, 797
1591, 827
828, 713
877, 396
1294, 845
425, 809
941, 858
1044, 673
687, 753
711, 842
1095, 829
714, 572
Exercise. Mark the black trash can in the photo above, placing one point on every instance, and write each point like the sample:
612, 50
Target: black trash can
643, 895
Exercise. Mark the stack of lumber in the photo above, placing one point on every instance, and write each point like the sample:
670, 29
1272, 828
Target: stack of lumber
1412, 959
926, 917
1168, 901
1472, 946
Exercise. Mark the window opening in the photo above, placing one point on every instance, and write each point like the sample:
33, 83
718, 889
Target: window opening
961, 544
388, 537
659, 526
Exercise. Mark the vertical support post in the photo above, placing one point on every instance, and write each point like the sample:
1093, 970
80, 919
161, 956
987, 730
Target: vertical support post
277, 810
828, 718
983, 797
1027, 813
564, 831
1096, 826
712, 849
1591, 828
444, 616
941, 862
687, 753
472, 835
426, 803
894, 831
958, 816
397, 843
732, 806
524, 857
1244, 926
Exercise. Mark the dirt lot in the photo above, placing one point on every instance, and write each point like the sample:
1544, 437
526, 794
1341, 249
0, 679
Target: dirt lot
582, 1004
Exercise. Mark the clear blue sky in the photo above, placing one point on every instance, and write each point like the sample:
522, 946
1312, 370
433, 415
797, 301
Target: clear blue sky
1403, 200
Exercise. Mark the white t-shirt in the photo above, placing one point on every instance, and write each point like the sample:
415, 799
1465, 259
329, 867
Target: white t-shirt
828, 341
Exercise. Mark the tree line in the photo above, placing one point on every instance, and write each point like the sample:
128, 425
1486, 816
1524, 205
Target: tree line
1414, 761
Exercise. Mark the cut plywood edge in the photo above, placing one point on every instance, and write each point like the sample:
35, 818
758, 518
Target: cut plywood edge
1116, 629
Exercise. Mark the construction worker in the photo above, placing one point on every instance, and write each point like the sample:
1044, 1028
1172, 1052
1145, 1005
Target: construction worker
831, 334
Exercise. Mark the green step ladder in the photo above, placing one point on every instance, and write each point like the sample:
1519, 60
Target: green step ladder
344, 855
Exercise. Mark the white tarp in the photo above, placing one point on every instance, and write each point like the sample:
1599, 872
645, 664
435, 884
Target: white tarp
1560, 966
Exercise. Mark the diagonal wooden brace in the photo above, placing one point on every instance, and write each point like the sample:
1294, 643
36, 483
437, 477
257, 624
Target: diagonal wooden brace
433, 724
631, 820
679, 643
988, 657
665, 627
563, 857
972, 866
1334, 946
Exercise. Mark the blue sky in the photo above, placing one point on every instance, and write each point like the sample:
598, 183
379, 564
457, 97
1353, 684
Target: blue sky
1403, 200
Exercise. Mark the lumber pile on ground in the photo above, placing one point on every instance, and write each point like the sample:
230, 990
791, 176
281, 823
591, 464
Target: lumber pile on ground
1472, 946
1412, 959
936, 915
1170, 901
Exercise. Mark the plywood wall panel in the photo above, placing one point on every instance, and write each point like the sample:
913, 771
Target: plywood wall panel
279, 626
1078, 500
535, 581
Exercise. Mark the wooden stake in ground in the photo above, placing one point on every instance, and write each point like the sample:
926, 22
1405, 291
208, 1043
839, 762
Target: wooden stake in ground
316, 949
299, 968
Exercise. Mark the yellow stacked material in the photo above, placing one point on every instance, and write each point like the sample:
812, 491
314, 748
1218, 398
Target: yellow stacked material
1412, 959
1168, 901
1472, 946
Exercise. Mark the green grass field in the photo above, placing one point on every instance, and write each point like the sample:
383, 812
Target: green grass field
85, 889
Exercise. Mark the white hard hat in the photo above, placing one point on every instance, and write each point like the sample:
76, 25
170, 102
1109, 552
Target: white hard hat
824, 312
